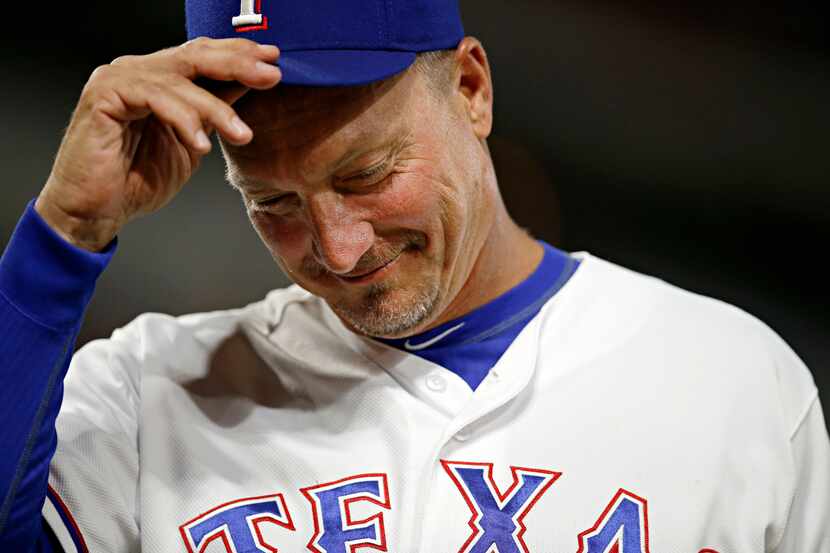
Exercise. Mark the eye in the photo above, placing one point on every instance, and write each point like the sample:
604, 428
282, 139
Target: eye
369, 173
283, 202
271, 201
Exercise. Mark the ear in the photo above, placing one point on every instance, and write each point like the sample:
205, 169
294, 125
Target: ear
474, 85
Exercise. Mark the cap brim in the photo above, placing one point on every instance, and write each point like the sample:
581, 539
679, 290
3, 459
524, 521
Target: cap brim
341, 67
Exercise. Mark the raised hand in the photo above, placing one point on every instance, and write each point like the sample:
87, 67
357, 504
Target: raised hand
140, 130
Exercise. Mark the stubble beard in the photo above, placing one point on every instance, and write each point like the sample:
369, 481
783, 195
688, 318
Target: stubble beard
382, 313
385, 309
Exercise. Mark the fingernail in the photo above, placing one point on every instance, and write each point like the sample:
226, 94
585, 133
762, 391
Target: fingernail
202, 141
269, 49
268, 68
240, 127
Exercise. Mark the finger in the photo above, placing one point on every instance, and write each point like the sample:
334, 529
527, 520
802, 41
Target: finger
143, 95
234, 59
215, 113
227, 91
183, 119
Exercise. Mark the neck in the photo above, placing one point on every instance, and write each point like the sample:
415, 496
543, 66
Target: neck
506, 257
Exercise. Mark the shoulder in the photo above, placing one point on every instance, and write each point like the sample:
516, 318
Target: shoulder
721, 349
163, 342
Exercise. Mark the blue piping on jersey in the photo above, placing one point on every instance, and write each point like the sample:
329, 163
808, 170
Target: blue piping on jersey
570, 268
46, 402
471, 345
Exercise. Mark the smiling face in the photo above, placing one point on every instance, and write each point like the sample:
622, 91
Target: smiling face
377, 199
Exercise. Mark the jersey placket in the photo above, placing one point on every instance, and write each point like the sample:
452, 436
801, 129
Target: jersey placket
447, 393
504, 382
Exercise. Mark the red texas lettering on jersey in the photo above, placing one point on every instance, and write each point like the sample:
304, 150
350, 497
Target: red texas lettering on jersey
622, 526
497, 517
331, 503
236, 524
496, 521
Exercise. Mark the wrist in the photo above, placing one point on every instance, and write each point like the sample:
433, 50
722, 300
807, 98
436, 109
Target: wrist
88, 234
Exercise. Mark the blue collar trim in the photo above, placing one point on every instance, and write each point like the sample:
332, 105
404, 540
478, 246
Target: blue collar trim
518, 304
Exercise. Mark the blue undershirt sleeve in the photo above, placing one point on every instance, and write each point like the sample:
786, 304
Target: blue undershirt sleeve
45, 286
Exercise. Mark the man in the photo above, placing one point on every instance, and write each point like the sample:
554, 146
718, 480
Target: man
437, 380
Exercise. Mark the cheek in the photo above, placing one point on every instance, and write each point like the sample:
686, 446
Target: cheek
286, 238
407, 203
416, 201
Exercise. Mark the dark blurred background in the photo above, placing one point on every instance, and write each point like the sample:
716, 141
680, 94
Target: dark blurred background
686, 140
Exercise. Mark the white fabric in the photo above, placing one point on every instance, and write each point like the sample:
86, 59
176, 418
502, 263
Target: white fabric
50, 514
621, 382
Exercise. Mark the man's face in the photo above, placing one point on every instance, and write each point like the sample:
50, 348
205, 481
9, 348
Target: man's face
369, 198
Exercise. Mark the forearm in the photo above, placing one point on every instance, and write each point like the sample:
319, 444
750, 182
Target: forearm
45, 286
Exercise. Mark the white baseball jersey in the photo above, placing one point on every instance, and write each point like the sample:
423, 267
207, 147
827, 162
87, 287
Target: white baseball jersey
628, 416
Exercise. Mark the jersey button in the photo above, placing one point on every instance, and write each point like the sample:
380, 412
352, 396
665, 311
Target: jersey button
436, 382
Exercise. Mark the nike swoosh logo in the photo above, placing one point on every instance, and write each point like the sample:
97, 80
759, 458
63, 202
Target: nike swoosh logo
431, 341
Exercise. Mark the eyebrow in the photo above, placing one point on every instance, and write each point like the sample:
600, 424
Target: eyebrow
389, 147
241, 183
252, 185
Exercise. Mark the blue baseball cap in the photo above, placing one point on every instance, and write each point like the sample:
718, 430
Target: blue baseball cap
333, 42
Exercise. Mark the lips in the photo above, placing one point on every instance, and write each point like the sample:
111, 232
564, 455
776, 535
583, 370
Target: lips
362, 274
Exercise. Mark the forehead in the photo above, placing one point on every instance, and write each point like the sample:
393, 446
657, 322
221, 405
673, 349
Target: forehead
315, 127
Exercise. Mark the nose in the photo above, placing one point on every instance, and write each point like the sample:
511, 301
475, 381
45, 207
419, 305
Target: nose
340, 235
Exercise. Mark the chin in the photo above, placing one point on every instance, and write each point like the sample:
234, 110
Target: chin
386, 310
